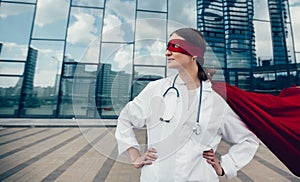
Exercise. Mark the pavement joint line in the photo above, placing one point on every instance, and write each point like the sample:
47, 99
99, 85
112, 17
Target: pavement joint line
61, 169
25, 164
244, 177
22, 137
10, 133
277, 169
31, 144
107, 165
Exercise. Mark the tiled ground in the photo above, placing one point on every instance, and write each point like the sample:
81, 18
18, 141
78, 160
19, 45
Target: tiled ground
88, 154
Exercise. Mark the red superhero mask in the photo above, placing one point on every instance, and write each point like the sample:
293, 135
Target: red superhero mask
184, 47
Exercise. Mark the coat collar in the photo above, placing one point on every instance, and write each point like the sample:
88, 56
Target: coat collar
207, 86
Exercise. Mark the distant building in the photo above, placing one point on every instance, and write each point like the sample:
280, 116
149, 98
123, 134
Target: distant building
27, 93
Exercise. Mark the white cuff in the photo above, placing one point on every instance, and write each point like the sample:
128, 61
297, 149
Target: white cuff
228, 166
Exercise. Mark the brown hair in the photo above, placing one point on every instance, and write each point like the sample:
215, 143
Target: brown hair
196, 38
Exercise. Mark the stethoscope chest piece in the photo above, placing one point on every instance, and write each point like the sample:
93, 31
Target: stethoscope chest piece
197, 129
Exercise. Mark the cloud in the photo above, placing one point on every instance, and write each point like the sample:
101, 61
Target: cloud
112, 29
49, 11
83, 29
123, 58
11, 50
151, 29
13, 9
124, 9
183, 12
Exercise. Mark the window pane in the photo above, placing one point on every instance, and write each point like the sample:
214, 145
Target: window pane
263, 42
15, 25
150, 52
151, 26
11, 68
83, 32
183, 12
78, 97
149, 72
296, 24
10, 88
25, 1
80, 70
113, 91
155, 5
114, 78
143, 76
261, 10
51, 19
40, 95
118, 56
91, 3
118, 21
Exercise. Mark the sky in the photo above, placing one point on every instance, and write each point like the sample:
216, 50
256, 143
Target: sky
85, 28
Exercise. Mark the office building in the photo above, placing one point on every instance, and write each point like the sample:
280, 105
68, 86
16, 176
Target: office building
87, 59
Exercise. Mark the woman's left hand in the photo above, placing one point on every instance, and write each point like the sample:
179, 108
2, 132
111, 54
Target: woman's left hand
210, 157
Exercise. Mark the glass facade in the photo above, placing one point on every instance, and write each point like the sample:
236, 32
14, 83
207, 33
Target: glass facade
253, 40
88, 58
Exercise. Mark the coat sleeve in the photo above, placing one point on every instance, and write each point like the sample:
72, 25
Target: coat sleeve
244, 144
133, 115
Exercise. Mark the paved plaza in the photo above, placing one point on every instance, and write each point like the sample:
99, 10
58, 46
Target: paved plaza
89, 153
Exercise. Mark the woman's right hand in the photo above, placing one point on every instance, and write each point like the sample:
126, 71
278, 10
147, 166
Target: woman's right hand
146, 159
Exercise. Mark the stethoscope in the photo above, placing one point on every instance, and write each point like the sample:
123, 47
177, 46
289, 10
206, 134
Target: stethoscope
196, 128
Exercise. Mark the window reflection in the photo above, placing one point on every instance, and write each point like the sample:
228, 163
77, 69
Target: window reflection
263, 41
15, 36
183, 12
84, 29
151, 26
51, 19
10, 88
11, 68
150, 52
41, 80
119, 21
143, 75
25, 1
119, 56
113, 91
78, 97
155, 5
114, 78
91, 3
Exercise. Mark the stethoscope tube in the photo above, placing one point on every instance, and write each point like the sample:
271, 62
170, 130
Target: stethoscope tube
196, 129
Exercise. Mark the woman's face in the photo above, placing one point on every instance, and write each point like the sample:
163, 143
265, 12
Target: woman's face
178, 60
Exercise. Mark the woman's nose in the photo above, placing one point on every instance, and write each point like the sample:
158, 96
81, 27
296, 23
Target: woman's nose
168, 53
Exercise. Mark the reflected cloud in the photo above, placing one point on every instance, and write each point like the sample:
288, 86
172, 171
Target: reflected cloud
49, 11
183, 12
124, 9
12, 10
112, 30
14, 51
83, 29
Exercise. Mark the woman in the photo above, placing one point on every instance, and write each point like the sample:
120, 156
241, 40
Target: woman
185, 121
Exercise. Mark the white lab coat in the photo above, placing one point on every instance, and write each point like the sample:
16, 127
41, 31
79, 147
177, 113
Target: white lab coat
179, 148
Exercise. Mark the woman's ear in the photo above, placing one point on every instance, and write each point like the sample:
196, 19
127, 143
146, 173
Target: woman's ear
194, 58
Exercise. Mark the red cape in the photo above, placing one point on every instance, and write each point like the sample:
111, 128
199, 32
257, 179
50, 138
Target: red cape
274, 119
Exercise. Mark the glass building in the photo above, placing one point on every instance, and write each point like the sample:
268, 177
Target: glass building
253, 40
88, 58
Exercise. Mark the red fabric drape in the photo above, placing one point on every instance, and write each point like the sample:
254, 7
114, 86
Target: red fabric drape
274, 119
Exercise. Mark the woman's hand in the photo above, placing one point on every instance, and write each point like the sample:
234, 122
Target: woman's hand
146, 159
210, 157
